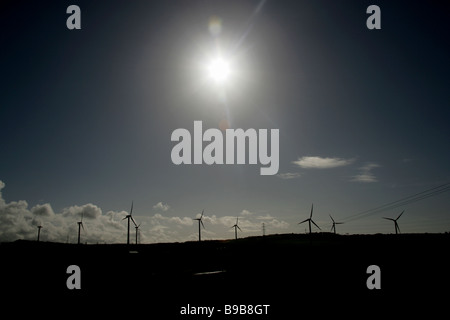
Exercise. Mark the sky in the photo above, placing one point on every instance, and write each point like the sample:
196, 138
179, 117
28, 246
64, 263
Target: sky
86, 117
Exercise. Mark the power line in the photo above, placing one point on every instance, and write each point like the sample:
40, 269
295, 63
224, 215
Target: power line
398, 203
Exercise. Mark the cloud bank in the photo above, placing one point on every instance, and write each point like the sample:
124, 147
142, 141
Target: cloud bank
18, 221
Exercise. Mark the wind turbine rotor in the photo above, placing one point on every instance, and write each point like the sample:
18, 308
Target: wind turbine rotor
304, 221
400, 215
316, 224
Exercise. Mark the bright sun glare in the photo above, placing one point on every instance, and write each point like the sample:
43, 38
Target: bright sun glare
219, 70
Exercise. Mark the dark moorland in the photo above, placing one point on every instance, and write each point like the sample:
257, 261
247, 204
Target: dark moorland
296, 274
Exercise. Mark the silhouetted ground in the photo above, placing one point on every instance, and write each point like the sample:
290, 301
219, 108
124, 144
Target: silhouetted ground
320, 274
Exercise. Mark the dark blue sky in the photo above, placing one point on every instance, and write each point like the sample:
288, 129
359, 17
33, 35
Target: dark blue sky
86, 115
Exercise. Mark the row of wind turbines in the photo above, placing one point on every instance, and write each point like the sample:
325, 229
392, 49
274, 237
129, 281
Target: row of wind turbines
309, 220
200, 224
80, 225
333, 227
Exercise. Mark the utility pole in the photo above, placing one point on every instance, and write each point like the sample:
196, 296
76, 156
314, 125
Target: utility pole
264, 229
39, 233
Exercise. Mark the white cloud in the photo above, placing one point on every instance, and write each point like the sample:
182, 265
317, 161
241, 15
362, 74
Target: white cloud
289, 175
366, 174
43, 210
158, 218
161, 206
246, 213
322, 163
89, 211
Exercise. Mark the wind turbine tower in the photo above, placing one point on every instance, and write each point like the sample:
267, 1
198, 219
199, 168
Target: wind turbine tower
236, 227
397, 228
310, 220
137, 231
39, 232
199, 229
80, 225
129, 217
333, 227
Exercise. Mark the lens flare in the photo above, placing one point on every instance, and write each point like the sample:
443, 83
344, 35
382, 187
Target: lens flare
215, 26
219, 70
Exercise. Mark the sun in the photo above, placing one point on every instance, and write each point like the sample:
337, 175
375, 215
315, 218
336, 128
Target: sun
219, 70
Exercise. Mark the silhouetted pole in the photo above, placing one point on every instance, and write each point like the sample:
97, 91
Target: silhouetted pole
39, 233
309, 226
128, 233
79, 230
136, 233
264, 229
199, 232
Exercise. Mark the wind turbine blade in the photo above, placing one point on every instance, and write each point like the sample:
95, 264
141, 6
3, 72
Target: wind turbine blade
131, 211
202, 214
303, 221
316, 224
400, 215
239, 228
332, 227
202, 224
331, 218
82, 225
237, 220
398, 228
312, 206
82, 217
133, 220
125, 218
389, 219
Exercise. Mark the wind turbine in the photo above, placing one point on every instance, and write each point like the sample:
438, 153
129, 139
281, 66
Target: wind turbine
137, 230
129, 217
397, 228
80, 225
200, 222
333, 227
39, 232
310, 220
236, 227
